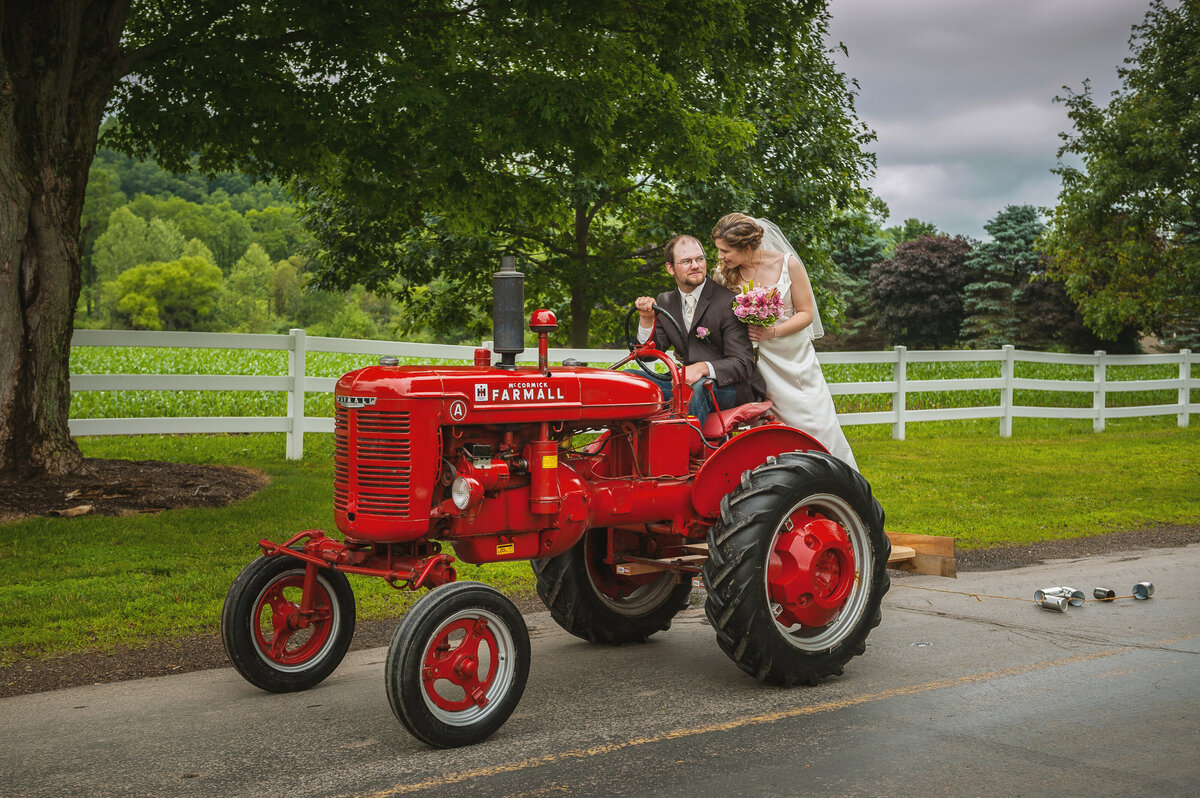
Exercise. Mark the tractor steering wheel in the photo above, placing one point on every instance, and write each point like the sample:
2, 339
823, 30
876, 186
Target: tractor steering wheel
631, 339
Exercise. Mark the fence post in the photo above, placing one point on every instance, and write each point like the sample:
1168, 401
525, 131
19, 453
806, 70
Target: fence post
295, 402
1098, 397
1185, 391
899, 398
1006, 391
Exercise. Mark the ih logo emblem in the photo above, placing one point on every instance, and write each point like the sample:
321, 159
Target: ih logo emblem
481, 392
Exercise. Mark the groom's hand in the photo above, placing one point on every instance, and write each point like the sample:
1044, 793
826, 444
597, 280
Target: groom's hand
695, 371
645, 307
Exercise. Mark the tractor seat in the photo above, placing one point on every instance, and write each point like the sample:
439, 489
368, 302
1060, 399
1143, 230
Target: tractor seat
722, 422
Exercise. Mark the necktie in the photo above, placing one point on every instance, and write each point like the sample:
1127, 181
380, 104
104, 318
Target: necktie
689, 309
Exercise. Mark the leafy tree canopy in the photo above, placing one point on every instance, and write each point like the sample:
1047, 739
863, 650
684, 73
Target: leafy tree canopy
513, 122
1125, 235
580, 137
917, 292
179, 295
912, 229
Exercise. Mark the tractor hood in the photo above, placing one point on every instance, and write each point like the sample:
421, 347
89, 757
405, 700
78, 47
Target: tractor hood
486, 395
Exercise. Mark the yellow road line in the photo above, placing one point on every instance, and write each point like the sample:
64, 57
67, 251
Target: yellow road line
770, 717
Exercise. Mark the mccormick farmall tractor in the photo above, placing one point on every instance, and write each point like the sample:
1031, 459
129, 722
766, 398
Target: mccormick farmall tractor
619, 500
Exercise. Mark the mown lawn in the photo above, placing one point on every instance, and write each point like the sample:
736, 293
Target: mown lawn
90, 582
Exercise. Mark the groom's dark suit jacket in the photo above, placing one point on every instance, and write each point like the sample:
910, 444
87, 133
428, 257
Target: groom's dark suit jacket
727, 345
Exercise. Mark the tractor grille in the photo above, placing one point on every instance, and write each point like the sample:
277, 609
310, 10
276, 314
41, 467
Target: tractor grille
372, 462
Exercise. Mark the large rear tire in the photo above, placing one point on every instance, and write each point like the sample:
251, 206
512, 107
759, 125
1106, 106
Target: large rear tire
797, 569
587, 598
269, 641
458, 664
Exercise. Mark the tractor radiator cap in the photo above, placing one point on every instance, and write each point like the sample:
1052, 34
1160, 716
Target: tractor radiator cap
389, 360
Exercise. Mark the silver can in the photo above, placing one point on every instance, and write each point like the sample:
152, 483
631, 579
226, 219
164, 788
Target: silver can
1104, 593
1040, 594
1143, 591
1054, 603
1075, 597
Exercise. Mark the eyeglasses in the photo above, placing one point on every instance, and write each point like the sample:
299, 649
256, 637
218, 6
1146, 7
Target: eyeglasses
700, 261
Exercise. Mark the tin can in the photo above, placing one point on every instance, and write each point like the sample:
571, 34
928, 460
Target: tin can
1055, 603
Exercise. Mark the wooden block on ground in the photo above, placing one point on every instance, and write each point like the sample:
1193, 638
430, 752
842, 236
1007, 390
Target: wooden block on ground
932, 554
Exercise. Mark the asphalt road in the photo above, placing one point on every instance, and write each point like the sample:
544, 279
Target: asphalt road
956, 695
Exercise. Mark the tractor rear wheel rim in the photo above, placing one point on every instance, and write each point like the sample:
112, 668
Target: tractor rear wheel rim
829, 572
637, 599
467, 666
281, 636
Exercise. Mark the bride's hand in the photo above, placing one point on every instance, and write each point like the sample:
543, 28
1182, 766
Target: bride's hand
760, 334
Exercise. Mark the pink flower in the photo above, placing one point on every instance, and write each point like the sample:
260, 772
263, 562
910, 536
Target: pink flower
701, 333
760, 306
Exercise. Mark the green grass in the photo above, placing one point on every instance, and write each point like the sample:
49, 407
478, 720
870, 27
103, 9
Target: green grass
94, 583
1052, 479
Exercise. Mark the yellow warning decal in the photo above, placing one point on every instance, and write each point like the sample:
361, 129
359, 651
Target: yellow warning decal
549, 461
506, 548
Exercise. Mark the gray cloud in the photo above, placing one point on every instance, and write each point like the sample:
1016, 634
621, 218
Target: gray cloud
961, 95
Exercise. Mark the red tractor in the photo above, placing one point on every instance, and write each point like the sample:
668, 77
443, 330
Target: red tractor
619, 500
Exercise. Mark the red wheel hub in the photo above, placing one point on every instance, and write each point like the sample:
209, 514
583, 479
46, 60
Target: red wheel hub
458, 663
277, 620
811, 571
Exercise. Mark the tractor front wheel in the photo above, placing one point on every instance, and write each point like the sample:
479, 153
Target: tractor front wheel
796, 569
590, 600
273, 643
457, 664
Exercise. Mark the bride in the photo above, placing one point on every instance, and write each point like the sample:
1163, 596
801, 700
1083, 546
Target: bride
754, 250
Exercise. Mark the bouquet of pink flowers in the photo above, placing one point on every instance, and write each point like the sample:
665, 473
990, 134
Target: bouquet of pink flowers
760, 306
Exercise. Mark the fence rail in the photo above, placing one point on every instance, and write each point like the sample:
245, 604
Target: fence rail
296, 384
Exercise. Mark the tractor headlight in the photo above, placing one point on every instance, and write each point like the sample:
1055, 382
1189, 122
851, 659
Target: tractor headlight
465, 492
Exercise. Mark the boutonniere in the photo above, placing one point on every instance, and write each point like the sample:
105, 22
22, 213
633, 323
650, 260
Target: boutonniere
701, 333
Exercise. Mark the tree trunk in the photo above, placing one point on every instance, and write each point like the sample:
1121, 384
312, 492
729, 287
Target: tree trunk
581, 309
58, 66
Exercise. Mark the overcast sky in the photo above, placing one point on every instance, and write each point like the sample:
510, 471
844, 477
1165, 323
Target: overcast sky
961, 95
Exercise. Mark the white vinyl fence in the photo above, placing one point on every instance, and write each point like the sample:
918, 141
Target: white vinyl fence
296, 383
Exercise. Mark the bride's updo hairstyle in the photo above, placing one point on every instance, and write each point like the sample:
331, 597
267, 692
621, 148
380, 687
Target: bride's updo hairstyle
740, 232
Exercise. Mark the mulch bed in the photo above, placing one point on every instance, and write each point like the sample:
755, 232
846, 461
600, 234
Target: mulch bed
124, 487
128, 487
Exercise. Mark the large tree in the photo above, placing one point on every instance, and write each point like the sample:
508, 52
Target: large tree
246, 85
507, 113
580, 139
1125, 235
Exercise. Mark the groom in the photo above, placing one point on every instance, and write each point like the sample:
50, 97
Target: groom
718, 344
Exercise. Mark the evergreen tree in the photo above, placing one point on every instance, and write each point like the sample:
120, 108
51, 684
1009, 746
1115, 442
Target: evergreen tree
858, 242
999, 270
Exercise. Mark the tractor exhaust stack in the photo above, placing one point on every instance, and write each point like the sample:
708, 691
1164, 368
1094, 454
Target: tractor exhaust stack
508, 313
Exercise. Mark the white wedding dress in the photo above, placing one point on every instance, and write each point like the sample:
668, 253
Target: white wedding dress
796, 385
